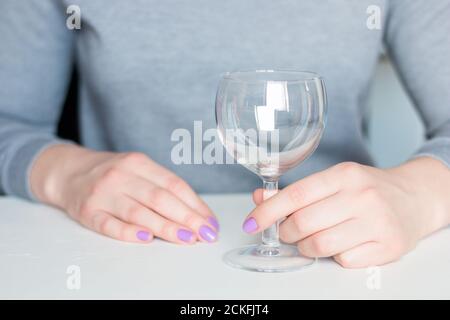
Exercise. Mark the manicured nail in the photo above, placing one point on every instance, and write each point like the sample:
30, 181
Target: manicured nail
143, 235
184, 235
207, 233
250, 225
213, 221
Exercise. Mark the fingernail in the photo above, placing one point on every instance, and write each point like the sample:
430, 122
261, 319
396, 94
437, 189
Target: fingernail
207, 233
250, 225
184, 235
143, 235
213, 221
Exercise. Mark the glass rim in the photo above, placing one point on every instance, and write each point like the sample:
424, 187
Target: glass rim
303, 75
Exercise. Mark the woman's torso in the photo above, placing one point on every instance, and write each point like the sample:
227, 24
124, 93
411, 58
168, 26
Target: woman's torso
149, 67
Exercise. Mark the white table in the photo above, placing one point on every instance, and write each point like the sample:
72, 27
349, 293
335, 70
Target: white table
38, 244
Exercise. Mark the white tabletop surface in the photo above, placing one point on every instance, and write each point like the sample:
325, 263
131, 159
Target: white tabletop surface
38, 246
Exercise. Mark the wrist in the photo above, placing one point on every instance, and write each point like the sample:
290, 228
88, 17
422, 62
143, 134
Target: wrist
427, 181
54, 170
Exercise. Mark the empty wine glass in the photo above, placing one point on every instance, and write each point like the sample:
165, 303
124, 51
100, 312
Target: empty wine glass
270, 121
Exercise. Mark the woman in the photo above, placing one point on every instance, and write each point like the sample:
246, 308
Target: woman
149, 67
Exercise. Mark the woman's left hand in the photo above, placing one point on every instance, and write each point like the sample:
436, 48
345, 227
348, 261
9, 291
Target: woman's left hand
359, 215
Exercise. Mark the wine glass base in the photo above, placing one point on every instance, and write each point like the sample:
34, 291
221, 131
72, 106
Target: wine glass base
263, 258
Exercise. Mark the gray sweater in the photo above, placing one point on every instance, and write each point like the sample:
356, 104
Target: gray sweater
148, 67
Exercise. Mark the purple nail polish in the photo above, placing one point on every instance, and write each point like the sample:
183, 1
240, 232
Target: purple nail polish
250, 225
143, 235
184, 235
207, 233
213, 221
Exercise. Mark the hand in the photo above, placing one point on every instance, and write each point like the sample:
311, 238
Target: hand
360, 215
125, 196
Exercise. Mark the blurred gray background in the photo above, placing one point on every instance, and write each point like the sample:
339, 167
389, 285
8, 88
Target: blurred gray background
395, 130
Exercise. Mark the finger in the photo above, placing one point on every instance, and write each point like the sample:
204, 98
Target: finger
292, 198
127, 209
336, 239
170, 207
365, 255
183, 190
258, 196
166, 179
318, 216
104, 223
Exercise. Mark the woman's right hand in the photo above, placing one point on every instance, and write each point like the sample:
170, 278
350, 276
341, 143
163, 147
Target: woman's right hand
126, 196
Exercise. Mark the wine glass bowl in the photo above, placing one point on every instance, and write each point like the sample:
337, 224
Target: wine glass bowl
270, 121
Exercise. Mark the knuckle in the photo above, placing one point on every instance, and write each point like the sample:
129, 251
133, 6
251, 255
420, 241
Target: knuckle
189, 219
373, 195
347, 165
353, 172
132, 214
103, 225
111, 174
165, 230
157, 196
305, 250
176, 184
99, 222
84, 212
320, 245
344, 260
296, 193
301, 223
122, 233
133, 158
300, 247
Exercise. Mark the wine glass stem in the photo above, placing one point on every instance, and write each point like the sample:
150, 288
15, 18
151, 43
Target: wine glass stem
270, 235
